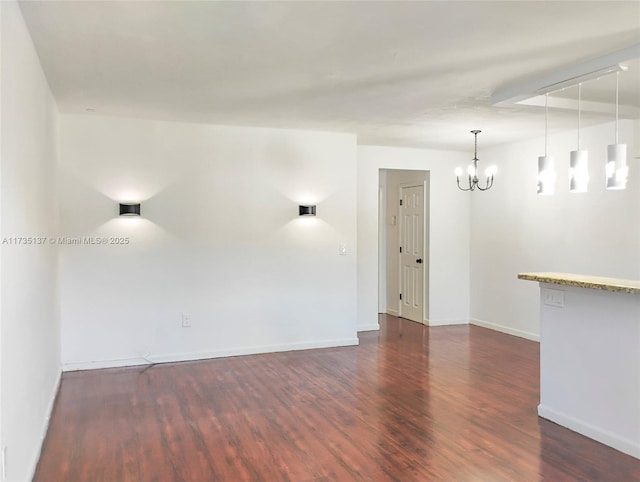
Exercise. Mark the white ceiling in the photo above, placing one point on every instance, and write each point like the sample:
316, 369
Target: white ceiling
396, 73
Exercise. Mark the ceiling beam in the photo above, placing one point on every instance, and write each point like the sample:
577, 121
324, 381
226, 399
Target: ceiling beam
592, 107
531, 88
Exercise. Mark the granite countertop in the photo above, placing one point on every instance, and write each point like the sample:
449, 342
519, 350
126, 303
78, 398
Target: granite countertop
585, 281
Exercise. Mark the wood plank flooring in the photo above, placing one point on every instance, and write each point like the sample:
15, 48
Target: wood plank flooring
408, 404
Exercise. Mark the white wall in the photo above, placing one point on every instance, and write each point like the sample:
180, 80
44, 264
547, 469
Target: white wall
514, 230
449, 232
219, 238
29, 327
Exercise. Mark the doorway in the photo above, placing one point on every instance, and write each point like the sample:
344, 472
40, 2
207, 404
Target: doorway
403, 264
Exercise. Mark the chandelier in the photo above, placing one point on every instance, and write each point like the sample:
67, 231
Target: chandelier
472, 172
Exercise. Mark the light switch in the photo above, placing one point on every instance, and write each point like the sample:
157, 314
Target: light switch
343, 249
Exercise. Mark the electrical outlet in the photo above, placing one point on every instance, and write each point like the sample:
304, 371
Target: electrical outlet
186, 320
553, 297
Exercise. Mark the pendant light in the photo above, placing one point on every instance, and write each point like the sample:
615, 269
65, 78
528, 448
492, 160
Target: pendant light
579, 162
472, 172
546, 170
616, 168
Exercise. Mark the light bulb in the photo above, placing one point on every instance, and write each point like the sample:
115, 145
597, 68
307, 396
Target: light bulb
458, 171
611, 168
622, 174
471, 170
547, 177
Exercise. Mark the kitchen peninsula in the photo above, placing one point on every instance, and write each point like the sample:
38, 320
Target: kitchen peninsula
590, 356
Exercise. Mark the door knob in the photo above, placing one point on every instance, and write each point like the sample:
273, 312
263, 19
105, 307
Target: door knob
419, 260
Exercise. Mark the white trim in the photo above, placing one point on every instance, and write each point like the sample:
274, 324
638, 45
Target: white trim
446, 322
191, 356
505, 329
382, 246
371, 327
392, 312
629, 447
45, 425
98, 364
399, 267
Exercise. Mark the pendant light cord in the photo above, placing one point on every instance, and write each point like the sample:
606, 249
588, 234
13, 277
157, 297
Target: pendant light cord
546, 115
579, 96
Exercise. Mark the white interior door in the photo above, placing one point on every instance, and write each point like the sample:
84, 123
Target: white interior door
412, 252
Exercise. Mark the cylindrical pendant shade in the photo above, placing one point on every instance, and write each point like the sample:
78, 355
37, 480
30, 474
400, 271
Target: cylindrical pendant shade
579, 171
617, 169
546, 175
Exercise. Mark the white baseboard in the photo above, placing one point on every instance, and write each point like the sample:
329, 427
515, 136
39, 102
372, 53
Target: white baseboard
98, 364
371, 327
446, 322
629, 447
506, 329
392, 312
192, 356
45, 424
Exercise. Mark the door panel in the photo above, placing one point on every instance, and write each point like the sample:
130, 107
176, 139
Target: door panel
411, 257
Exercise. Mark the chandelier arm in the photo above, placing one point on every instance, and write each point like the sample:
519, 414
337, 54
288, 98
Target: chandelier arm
462, 188
488, 185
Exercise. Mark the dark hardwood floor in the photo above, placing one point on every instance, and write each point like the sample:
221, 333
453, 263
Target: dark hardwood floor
410, 403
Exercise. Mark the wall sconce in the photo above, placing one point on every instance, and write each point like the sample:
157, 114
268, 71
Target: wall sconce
129, 209
307, 210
